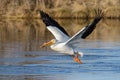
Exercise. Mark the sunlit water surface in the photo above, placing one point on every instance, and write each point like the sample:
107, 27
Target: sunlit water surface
22, 59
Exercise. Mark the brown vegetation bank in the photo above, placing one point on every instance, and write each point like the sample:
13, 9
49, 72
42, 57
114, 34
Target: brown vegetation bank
58, 8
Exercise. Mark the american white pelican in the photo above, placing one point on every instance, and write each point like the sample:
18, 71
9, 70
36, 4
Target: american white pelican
62, 42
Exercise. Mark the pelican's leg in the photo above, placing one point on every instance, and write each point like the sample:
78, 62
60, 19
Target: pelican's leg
76, 58
47, 43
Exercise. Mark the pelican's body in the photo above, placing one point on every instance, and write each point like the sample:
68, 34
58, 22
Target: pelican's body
61, 47
63, 42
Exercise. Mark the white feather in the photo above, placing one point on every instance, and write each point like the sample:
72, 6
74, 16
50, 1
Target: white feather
58, 34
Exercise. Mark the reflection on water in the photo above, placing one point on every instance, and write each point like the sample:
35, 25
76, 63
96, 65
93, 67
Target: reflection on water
22, 59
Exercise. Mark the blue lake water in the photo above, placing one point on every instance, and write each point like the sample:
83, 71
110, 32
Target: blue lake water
22, 59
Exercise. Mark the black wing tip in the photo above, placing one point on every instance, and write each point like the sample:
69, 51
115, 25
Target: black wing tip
51, 22
99, 14
43, 14
46, 18
89, 29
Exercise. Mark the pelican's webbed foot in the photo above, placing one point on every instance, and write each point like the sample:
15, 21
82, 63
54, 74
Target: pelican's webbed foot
76, 59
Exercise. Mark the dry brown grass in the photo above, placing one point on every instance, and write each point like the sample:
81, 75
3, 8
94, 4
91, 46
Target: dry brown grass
58, 8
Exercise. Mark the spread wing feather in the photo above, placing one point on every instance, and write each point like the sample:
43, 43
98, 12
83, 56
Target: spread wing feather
59, 32
85, 31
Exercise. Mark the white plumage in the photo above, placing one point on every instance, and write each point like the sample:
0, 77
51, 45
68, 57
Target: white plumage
62, 42
60, 36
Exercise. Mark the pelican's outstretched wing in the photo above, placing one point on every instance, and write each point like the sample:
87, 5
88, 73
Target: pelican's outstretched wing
59, 33
84, 32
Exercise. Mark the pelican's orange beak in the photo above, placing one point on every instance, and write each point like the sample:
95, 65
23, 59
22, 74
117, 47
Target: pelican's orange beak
51, 42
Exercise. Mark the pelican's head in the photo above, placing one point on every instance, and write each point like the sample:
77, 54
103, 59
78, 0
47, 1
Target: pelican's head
81, 54
51, 42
